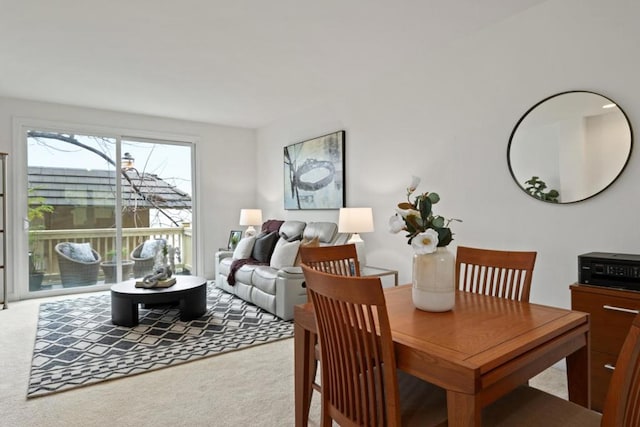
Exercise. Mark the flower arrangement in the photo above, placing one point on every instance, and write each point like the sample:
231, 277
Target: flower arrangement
426, 231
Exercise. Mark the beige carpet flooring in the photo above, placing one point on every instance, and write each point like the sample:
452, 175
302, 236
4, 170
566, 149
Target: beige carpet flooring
249, 387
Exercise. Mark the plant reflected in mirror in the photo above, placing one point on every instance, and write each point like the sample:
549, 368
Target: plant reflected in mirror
535, 186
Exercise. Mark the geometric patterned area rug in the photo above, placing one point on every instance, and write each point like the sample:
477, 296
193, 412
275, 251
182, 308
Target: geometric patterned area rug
77, 345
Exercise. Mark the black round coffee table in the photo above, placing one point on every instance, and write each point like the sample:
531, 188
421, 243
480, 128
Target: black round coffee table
190, 292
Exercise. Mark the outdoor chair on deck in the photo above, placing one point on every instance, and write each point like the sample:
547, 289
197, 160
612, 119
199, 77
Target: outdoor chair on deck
361, 385
144, 256
504, 274
79, 264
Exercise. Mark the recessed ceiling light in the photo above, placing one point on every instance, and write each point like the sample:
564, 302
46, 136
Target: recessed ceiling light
609, 105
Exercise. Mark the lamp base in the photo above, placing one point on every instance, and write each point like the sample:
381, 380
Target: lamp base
250, 231
357, 240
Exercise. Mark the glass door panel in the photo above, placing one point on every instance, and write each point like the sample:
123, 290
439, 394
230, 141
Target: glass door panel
157, 205
71, 208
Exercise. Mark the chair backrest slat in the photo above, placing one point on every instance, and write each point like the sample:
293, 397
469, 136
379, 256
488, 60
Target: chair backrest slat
341, 260
505, 274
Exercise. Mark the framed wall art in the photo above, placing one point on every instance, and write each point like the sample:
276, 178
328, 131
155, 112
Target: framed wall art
314, 173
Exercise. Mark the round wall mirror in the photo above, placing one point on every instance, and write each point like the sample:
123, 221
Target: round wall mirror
569, 147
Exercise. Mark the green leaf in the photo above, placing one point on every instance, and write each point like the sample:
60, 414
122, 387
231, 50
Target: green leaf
444, 236
425, 208
438, 222
434, 197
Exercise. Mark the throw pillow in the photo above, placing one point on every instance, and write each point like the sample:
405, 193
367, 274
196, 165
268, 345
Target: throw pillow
150, 248
244, 248
313, 243
81, 252
263, 248
284, 254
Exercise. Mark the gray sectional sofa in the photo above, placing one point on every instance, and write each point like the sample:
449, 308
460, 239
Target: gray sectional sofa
278, 286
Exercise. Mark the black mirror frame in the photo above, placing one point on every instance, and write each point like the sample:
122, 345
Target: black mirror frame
513, 132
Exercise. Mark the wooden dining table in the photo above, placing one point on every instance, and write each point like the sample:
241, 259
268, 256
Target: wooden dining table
479, 351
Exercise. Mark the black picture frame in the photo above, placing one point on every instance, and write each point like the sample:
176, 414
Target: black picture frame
314, 173
230, 244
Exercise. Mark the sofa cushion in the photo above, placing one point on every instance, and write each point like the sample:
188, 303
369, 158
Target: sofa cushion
263, 247
325, 231
245, 274
264, 278
292, 230
150, 248
284, 254
244, 248
78, 251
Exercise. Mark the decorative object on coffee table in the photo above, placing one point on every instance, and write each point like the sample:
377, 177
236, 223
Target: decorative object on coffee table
144, 256
161, 278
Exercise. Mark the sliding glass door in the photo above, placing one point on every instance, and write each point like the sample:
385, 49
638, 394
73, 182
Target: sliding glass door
93, 202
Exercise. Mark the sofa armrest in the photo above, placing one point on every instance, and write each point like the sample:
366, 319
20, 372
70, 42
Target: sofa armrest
220, 255
290, 291
291, 272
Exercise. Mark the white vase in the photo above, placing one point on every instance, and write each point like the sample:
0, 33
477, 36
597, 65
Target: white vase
433, 280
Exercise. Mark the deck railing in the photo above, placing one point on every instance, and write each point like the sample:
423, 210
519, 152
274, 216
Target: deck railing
102, 241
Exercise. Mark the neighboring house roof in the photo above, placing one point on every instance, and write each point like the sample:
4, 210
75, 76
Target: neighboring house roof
82, 187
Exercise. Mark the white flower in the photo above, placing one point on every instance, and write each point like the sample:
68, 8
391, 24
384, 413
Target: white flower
426, 242
396, 224
415, 181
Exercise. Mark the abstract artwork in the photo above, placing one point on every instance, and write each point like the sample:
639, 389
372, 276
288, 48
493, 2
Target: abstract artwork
314, 173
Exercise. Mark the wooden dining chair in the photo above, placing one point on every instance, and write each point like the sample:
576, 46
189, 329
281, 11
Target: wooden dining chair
505, 274
527, 406
359, 375
341, 260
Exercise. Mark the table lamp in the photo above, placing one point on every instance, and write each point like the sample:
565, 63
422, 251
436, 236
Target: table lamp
355, 221
249, 218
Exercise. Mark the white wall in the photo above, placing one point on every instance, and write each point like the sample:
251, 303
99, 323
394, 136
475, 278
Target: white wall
448, 117
221, 191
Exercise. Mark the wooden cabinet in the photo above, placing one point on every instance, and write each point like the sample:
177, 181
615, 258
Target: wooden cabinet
612, 311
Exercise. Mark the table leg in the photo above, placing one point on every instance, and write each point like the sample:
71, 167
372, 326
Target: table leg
463, 409
193, 304
578, 377
302, 386
124, 311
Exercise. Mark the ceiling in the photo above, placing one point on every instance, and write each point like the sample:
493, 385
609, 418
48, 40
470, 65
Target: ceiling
235, 62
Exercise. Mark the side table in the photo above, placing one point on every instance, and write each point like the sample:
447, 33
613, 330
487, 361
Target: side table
370, 271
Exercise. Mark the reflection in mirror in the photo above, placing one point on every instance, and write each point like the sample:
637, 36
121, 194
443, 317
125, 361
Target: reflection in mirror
569, 147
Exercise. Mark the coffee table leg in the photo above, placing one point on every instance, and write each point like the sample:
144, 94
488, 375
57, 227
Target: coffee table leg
124, 311
194, 304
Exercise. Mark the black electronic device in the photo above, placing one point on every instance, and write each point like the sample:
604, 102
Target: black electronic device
610, 269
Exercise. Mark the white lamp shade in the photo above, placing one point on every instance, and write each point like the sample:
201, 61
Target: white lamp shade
250, 216
355, 220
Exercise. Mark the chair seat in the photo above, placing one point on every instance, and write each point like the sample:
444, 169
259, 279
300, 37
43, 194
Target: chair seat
422, 404
529, 407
